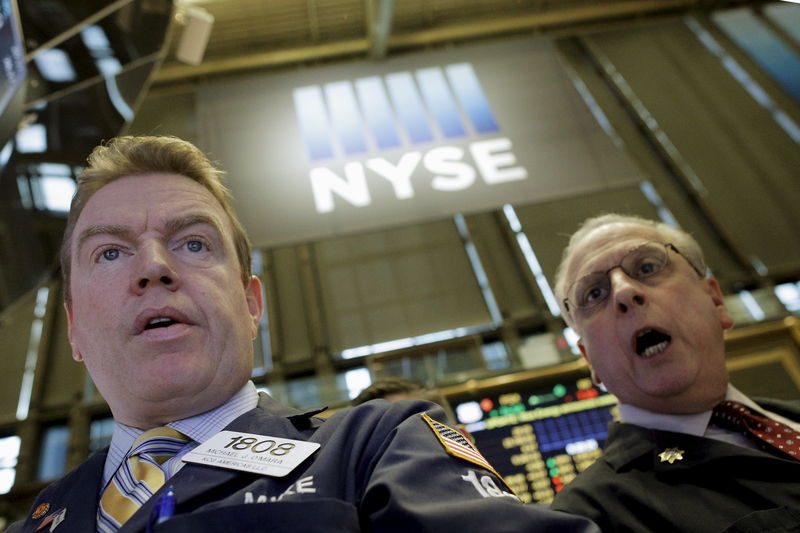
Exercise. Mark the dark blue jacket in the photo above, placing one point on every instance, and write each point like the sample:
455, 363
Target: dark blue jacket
380, 468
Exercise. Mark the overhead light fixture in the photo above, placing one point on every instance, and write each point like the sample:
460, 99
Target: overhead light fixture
32, 139
196, 32
55, 65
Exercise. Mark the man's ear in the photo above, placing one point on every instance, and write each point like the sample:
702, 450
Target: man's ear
255, 303
76, 354
584, 354
713, 289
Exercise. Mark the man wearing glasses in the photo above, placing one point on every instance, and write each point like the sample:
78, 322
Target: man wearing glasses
686, 456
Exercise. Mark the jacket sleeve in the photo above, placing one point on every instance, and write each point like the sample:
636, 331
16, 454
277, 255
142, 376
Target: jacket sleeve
415, 483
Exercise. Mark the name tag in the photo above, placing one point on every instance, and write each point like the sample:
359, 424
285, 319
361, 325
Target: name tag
249, 452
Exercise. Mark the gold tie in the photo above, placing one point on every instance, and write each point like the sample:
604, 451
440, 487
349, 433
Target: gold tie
138, 477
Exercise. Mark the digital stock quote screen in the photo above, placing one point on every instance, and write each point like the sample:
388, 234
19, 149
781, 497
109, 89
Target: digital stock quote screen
539, 436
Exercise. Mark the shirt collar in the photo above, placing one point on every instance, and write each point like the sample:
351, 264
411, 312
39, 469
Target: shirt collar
199, 427
692, 424
698, 424
204, 426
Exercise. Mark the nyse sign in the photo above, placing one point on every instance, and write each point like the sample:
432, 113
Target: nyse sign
358, 146
375, 113
449, 168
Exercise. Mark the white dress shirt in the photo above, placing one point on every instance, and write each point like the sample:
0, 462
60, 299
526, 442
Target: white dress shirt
698, 424
199, 428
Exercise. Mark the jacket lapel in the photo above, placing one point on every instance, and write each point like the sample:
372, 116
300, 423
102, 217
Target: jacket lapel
668, 452
269, 418
80, 505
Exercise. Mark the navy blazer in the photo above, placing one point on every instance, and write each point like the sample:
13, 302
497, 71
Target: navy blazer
380, 468
714, 487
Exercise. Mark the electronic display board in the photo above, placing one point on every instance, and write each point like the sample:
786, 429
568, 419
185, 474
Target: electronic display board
538, 434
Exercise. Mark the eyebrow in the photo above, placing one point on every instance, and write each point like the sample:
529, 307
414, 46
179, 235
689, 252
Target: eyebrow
625, 253
115, 230
171, 227
175, 225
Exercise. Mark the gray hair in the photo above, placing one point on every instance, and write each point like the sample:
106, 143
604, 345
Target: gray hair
683, 241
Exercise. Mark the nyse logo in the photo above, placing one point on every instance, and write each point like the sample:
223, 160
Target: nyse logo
352, 119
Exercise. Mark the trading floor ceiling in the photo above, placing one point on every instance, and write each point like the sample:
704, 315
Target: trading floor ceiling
259, 34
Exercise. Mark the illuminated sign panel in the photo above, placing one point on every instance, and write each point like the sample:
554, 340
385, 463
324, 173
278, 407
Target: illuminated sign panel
400, 109
339, 110
363, 145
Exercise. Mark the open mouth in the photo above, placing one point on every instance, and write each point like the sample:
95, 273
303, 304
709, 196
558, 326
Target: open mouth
161, 322
162, 318
650, 342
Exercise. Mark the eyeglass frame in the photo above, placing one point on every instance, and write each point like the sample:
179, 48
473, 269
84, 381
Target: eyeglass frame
666, 245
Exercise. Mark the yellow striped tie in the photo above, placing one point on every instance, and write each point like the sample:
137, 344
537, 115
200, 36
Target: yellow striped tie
139, 476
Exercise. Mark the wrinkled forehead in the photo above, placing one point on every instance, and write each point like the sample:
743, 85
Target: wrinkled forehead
156, 199
605, 246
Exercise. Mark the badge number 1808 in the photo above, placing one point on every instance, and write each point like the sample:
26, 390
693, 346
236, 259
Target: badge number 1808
249, 452
265, 446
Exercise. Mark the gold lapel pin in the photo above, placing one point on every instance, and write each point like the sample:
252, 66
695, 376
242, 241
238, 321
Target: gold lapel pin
40, 511
671, 455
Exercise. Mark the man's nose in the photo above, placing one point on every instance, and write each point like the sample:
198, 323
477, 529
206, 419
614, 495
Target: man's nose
627, 292
154, 268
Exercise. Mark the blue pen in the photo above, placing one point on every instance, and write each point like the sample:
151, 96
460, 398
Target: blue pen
166, 505
163, 509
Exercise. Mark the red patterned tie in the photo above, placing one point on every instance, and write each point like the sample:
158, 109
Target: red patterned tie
770, 435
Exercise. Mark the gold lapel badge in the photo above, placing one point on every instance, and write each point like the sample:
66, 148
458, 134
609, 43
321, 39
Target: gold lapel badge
671, 455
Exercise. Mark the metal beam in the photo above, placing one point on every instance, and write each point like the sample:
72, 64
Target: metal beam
535, 21
77, 28
379, 26
175, 73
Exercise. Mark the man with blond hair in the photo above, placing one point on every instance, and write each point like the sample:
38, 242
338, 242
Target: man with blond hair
162, 308
691, 453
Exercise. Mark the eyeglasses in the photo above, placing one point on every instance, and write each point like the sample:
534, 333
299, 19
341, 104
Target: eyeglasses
643, 262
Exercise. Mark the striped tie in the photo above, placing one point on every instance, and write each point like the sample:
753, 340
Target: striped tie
139, 476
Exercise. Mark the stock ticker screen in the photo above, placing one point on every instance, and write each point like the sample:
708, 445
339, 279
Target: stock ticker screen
539, 437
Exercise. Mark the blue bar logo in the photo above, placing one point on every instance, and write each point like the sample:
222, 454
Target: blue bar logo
402, 108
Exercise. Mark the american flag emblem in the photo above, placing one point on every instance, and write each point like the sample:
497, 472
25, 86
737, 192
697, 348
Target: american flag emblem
53, 520
457, 445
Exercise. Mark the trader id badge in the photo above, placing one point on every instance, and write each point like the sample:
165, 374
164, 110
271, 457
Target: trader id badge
249, 452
